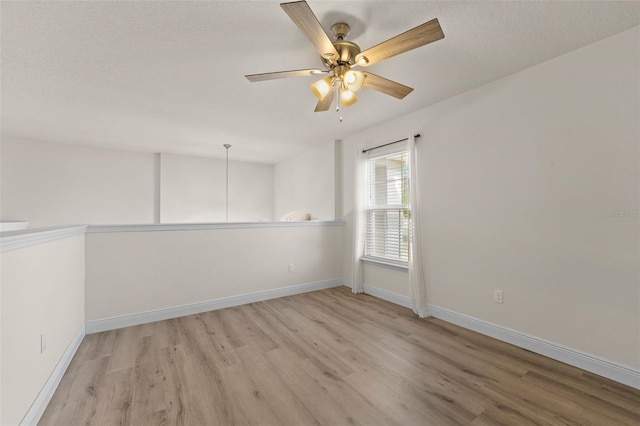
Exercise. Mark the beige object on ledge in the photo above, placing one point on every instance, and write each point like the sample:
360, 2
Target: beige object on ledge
296, 216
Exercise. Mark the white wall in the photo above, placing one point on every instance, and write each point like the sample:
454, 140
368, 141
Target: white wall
131, 272
517, 179
386, 278
42, 290
306, 183
50, 184
193, 189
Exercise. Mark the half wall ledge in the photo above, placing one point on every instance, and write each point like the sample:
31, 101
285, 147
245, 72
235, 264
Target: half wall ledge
12, 240
200, 226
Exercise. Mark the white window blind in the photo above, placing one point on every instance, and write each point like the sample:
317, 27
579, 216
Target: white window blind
387, 210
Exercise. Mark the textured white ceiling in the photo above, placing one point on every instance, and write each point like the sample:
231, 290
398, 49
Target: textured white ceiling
169, 76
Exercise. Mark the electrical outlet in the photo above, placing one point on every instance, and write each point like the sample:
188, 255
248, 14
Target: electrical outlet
291, 267
497, 296
43, 342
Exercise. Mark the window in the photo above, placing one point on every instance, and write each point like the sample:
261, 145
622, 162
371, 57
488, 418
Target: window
387, 208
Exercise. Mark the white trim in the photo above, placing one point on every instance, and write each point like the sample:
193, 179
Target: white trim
347, 283
96, 326
389, 264
603, 367
388, 296
200, 226
46, 393
12, 240
592, 363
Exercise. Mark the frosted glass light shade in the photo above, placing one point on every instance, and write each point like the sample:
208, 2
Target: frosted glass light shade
321, 87
347, 98
354, 80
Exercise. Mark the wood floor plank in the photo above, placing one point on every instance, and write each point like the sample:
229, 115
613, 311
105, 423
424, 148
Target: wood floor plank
324, 358
197, 390
271, 387
123, 349
317, 398
412, 390
310, 343
149, 380
437, 388
597, 408
249, 398
503, 353
77, 395
217, 341
279, 327
399, 405
351, 398
119, 393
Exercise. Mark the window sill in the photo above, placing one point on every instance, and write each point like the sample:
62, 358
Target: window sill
390, 264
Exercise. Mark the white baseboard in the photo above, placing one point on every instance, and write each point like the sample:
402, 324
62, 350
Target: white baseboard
96, 326
388, 296
592, 363
46, 393
347, 283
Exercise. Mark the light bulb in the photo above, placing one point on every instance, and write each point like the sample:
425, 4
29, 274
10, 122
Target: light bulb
354, 80
348, 98
321, 87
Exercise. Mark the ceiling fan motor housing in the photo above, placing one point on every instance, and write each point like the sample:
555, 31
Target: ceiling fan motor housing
347, 50
340, 30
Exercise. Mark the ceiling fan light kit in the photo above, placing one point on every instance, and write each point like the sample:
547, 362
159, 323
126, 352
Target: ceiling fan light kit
347, 98
322, 87
340, 56
354, 80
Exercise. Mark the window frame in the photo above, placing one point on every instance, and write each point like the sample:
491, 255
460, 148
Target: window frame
389, 262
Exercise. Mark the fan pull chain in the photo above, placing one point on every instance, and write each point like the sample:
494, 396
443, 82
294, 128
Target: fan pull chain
338, 101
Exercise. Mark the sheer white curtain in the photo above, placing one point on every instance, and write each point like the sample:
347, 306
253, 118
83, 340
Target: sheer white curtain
357, 283
416, 268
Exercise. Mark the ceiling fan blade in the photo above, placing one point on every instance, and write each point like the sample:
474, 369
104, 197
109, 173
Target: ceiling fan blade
416, 37
388, 87
302, 15
325, 103
283, 74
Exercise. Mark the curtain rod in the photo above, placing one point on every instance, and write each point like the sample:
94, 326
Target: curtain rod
390, 143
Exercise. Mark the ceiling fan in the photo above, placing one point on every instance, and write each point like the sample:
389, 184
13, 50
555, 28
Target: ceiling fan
340, 56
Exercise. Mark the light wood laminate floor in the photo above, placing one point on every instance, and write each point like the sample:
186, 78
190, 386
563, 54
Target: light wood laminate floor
324, 358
